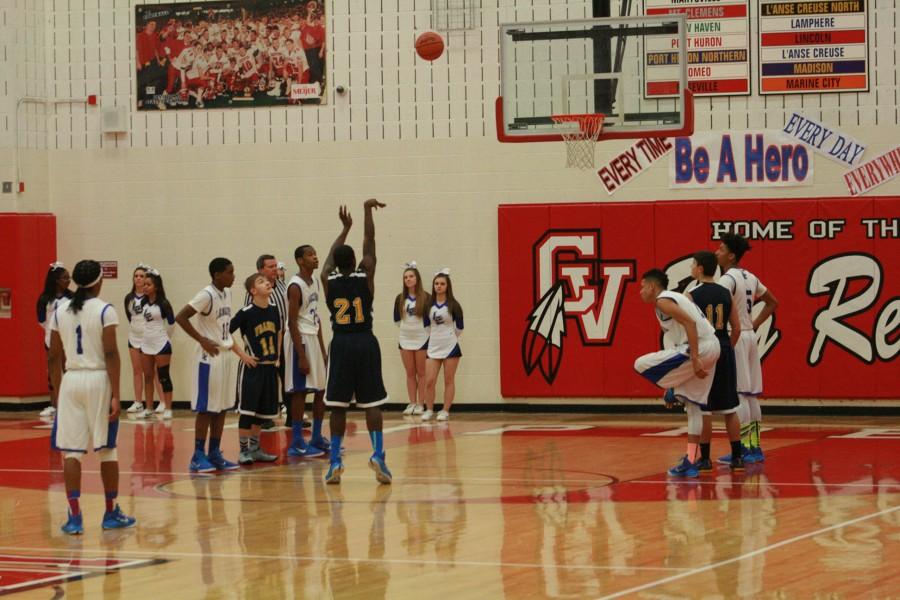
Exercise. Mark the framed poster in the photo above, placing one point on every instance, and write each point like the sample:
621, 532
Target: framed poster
240, 53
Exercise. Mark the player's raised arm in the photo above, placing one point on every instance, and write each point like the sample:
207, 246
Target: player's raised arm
328, 267
368, 259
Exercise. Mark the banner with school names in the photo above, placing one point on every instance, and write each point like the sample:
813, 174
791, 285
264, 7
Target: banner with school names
718, 38
813, 46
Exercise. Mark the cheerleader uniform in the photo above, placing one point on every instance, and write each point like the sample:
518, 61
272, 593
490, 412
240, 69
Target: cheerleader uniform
134, 312
413, 334
444, 334
45, 316
158, 324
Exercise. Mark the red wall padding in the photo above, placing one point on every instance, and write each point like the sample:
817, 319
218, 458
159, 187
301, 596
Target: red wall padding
29, 246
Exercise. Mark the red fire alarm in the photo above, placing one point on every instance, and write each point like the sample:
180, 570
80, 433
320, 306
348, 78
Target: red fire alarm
21, 187
92, 100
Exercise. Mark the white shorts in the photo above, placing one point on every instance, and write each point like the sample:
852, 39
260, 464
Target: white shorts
213, 381
749, 369
294, 380
672, 368
82, 419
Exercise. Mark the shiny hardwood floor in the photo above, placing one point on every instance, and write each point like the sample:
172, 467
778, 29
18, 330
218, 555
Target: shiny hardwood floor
485, 506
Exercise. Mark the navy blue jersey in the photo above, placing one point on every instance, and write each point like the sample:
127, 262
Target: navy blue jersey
349, 302
714, 301
261, 330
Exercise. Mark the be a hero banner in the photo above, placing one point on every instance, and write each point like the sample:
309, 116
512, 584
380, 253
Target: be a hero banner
739, 159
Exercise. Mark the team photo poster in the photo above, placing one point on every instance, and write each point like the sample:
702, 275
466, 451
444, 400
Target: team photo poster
245, 53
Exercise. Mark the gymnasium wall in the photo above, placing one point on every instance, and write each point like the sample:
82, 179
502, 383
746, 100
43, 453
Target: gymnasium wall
183, 186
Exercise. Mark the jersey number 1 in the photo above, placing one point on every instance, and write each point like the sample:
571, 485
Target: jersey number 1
78, 348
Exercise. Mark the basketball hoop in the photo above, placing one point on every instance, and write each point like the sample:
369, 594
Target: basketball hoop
580, 142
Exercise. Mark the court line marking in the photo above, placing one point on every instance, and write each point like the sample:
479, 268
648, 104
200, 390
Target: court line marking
758, 551
410, 561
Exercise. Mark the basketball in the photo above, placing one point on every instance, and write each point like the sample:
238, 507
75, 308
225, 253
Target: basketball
430, 45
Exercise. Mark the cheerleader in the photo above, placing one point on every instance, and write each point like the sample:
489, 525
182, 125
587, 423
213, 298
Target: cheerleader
445, 318
409, 313
156, 348
133, 309
56, 289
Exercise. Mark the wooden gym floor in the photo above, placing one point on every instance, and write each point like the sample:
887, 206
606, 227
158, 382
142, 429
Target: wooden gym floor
486, 506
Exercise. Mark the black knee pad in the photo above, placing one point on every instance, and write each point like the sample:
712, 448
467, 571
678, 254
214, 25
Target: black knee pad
165, 382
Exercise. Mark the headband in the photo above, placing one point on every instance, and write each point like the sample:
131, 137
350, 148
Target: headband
281, 266
143, 267
445, 271
152, 271
94, 282
56, 265
411, 265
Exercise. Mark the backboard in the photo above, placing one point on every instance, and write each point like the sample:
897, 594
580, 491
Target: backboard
631, 69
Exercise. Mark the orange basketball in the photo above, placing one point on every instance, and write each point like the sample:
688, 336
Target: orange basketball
430, 45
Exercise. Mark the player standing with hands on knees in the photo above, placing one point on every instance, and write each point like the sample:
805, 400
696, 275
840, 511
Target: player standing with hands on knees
213, 372
83, 341
687, 365
354, 367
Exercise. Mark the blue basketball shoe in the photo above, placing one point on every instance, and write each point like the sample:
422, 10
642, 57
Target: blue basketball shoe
382, 473
334, 473
684, 469
116, 519
74, 525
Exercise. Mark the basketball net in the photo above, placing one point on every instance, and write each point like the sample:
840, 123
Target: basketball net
580, 142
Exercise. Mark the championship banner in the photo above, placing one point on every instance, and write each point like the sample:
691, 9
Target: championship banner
718, 48
813, 46
572, 322
230, 54
729, 159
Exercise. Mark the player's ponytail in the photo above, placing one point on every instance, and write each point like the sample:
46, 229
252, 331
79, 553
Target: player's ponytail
86, 274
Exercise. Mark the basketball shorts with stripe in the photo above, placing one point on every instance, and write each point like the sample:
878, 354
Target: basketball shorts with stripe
294, 380
82, 419
354, 371
672, 368
723, 398
213, 381
258, 396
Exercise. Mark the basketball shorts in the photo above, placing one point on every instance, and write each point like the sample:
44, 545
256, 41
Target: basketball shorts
723, 398
749, 369
258, 395
294, 380
672, 368
82, 418
213, 381
354, 371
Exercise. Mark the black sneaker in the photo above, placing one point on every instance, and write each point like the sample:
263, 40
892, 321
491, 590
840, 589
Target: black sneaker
704, 465
737, 463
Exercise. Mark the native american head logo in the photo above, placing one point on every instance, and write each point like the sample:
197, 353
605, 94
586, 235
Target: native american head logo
571, 281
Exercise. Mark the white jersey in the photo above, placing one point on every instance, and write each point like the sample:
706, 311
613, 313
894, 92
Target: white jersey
82, 333
413, 334
674, 333
444, 331
213, 314
745, 288
135, 315
308, 319
49, 311
157, 328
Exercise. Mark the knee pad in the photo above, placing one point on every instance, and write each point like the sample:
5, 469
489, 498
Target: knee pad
108, 455
695, 418
165, 382
76, 455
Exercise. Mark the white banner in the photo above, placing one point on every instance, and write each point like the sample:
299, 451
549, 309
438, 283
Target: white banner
871, 174
765, 158
828, 142
632, 162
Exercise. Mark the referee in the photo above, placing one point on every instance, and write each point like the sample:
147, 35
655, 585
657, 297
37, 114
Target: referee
267, 266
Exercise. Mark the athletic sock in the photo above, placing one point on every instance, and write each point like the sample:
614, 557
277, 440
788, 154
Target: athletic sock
704, 451
692, 452
317, 429
199, 445
245, 443
745, 434
254, 443
214, 444
336, 448
377, 438
736, 449
297, 433
757, 442
111, 500
74, 506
